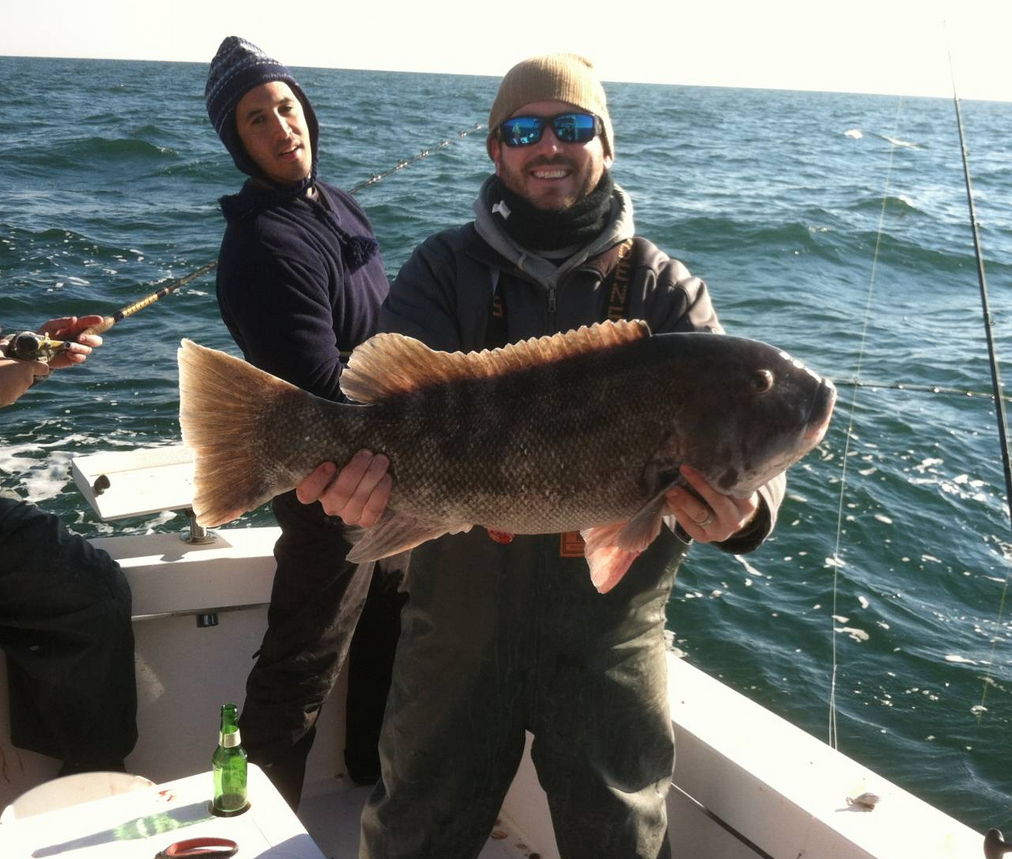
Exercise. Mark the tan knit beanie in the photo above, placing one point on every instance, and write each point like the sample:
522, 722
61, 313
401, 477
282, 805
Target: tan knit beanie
552, 77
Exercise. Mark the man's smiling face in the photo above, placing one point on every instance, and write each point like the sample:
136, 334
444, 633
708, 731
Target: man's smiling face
549, 174
273, 130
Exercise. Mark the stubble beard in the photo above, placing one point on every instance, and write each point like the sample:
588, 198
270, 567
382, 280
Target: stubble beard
518, 181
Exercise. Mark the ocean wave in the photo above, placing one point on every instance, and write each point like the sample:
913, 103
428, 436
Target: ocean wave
204, 170
914, 258
895, 205
902, 144
793, 236
83, 150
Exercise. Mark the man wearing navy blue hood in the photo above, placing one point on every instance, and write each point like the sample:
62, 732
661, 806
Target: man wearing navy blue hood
299, 283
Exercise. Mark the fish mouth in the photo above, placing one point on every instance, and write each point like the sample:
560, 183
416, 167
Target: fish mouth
821, 412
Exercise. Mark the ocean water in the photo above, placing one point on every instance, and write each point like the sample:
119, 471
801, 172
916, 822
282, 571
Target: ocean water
833, 225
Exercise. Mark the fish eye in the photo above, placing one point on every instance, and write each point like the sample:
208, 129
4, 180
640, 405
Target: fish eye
762, 381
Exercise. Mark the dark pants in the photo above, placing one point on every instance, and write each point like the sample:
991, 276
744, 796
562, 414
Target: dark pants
498, 639
65, 628
316, 603
370, 666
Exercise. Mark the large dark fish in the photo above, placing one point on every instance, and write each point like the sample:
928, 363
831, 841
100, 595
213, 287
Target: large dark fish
582, 431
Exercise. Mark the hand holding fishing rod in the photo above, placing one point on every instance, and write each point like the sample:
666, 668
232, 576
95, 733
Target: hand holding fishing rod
59, 342
27, 356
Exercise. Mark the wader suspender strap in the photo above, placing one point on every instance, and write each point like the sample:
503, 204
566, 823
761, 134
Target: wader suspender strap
495, 332
618, 281
616, 284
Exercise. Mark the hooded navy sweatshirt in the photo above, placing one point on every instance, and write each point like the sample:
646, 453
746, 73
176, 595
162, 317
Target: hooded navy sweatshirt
299, 282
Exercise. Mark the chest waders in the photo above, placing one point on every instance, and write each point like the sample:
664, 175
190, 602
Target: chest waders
503, 635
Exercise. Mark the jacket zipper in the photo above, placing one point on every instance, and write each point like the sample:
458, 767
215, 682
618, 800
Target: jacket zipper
552, 290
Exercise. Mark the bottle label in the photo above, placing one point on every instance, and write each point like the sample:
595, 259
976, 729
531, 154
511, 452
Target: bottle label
229, 740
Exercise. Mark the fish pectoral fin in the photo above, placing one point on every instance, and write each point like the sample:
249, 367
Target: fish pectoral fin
607, 560
611, 549
394, 533
640, 531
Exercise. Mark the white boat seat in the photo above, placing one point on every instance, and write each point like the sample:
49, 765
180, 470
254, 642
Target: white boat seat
71, 790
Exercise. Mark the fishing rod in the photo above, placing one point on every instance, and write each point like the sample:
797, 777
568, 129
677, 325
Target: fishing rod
131, 309
996, 382
30, 346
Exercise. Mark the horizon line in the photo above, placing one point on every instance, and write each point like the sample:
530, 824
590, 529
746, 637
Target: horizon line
757, 87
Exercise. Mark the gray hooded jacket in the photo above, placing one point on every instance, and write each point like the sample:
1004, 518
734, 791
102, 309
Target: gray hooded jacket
444, 294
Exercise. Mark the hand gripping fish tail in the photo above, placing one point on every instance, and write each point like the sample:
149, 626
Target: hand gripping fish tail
582, 431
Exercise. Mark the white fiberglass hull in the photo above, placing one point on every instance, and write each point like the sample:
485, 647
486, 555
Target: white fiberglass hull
773, 784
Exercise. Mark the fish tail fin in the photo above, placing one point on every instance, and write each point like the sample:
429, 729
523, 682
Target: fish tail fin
227, 409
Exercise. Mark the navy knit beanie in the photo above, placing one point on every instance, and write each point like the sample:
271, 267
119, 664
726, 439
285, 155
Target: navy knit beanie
238, 67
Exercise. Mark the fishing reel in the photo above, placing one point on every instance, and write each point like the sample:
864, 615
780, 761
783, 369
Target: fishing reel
29, 346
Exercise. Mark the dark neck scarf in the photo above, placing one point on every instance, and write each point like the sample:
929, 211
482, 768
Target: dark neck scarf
536, 229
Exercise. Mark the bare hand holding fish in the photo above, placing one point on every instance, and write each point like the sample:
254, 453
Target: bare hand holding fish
358, 493
707, 515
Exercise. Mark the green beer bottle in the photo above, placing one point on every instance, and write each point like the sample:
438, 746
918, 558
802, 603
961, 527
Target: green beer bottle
229, 765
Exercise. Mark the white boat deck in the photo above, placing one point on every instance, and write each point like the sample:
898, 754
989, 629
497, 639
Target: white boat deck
332, 819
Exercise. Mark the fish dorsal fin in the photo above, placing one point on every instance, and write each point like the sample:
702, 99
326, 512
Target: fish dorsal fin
390, 364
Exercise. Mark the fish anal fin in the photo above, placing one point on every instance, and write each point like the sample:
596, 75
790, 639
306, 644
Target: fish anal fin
608, 562
389, 364
394, 533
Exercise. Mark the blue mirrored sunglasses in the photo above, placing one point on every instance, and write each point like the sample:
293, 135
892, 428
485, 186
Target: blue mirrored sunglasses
568, 128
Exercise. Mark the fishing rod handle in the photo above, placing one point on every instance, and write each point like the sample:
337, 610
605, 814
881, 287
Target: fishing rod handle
101, 328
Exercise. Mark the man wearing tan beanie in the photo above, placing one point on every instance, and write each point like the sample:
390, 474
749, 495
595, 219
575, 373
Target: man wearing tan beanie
507, 633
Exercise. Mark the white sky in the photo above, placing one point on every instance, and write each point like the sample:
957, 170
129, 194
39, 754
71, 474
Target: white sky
888, 46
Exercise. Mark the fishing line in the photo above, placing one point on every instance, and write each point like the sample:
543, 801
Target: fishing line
372, 180
836, 561
992, 358
939, 390
108, 321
